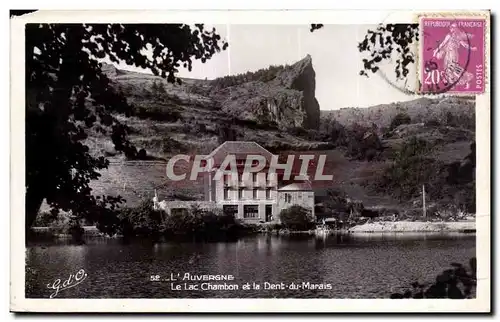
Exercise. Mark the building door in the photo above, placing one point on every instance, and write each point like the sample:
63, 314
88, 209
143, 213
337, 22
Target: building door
269, 213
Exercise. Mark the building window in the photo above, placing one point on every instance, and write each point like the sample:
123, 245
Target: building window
288, 198
231, 210
226, 193
240, 193
268, 193
250, 211
254, 193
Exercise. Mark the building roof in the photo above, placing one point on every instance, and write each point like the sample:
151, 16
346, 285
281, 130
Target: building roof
297, 186
240, 149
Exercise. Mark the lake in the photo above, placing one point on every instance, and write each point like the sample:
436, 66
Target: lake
337, 266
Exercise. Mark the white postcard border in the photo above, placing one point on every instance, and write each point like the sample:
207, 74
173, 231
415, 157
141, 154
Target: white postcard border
19, 303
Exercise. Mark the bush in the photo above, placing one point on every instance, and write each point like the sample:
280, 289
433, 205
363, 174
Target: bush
46, 219
141, 221
157, 114
457, 283
410, 169
296, 218
201, 223
400, 118
362, 143
432, 122
262, 75
144, 221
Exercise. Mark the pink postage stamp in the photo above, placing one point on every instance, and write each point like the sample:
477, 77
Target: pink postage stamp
452, 55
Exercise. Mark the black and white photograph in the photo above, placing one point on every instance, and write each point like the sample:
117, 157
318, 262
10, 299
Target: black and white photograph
251, 161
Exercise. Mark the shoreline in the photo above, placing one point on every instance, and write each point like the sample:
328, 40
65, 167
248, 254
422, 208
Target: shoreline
414, 227
372, 227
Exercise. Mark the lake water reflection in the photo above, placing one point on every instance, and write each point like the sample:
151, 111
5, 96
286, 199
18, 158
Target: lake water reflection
355, 266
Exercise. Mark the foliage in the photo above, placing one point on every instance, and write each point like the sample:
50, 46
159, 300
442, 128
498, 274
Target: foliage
360, 142
261, 75
461, 175
141, 221
200, 223
338, 203
457, 283
145, 221
296, 218
389, 42
459, 120
47, 219
67, 93
400, 118
157, 113
309, 134
410, 169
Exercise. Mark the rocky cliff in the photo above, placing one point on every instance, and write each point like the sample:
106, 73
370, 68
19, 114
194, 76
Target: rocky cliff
288, 99
284, 95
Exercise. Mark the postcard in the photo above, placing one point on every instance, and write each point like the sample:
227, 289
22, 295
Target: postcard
250, 161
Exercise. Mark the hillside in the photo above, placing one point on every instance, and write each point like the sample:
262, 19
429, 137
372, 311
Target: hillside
420, 110
276, 108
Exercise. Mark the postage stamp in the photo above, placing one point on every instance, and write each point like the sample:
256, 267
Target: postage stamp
452, 56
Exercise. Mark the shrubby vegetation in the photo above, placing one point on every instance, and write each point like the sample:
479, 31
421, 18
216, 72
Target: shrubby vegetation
460, 282
195, 222
360, 142
339, 204
157, 113
400, 118
262, 75
410, 169
58, 224
296, 218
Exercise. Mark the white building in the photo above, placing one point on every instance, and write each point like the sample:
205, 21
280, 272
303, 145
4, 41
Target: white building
252, 197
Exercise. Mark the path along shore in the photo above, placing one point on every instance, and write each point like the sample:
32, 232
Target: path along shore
415, 226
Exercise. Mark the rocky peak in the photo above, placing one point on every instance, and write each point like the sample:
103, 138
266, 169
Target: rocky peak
302, 77
288, 99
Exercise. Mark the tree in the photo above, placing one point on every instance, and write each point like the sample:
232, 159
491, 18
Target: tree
412, 168
296, 218
67, 94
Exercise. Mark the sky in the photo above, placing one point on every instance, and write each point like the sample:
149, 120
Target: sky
335, 56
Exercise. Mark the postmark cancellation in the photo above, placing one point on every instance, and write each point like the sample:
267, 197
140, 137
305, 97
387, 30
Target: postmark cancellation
452, 54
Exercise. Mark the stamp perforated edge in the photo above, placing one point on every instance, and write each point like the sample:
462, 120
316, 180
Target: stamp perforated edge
455, 15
